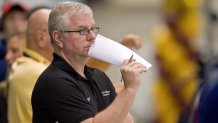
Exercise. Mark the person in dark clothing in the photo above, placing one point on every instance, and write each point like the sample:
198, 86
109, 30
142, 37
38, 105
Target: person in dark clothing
68, 91
208, 108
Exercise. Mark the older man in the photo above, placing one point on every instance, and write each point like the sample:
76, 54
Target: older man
26, 69
70, 92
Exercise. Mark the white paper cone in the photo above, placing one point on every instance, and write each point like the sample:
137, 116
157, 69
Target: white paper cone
112, 52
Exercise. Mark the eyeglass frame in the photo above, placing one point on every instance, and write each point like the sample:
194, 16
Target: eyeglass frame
84, 31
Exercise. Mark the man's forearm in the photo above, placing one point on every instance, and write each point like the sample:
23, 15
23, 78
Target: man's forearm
117, 111
129, 119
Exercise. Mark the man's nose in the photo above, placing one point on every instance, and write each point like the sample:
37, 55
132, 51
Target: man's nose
91, 36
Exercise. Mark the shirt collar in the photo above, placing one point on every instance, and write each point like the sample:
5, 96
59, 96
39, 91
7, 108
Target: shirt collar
36, 56
63, 65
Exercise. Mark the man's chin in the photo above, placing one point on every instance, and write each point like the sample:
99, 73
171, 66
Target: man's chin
86, 55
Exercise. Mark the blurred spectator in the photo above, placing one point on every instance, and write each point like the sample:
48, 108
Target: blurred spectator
3, 108
15, 47
207, 110
26, 69
177, 59
3, 64
3, 71
12, 20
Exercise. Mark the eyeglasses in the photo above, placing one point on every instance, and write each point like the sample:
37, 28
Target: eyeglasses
84, 31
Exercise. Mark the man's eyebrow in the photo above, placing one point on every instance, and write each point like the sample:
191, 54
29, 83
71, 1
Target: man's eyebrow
83, 26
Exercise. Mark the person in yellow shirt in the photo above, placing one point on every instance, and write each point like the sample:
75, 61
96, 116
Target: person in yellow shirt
26, 69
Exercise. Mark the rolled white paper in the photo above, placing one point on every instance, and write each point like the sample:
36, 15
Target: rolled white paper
112, 52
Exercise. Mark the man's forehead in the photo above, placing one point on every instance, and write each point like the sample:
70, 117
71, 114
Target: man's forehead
81, 15
82, 20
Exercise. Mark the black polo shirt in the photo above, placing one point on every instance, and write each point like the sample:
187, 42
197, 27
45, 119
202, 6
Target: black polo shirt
62, 95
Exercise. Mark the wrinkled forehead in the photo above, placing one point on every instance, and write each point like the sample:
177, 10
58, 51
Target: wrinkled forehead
81, 20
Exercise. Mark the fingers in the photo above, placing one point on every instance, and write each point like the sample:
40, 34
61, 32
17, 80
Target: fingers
143, 70
125, 62
133, 65
140, 68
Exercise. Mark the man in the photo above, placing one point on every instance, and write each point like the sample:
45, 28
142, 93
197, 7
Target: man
70, 92
13, 20
26, 69
15, 47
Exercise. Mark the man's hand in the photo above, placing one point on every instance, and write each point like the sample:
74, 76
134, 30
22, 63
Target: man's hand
130, 71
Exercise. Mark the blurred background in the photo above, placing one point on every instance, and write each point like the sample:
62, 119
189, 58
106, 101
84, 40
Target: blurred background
179, 40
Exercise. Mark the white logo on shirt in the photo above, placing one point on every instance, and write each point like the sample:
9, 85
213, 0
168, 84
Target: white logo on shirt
88, 99
105, 93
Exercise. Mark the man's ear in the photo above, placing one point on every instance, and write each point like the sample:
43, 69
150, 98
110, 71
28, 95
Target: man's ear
57, 38
41, 41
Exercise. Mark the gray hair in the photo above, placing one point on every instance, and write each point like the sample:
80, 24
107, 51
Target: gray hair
60, 14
